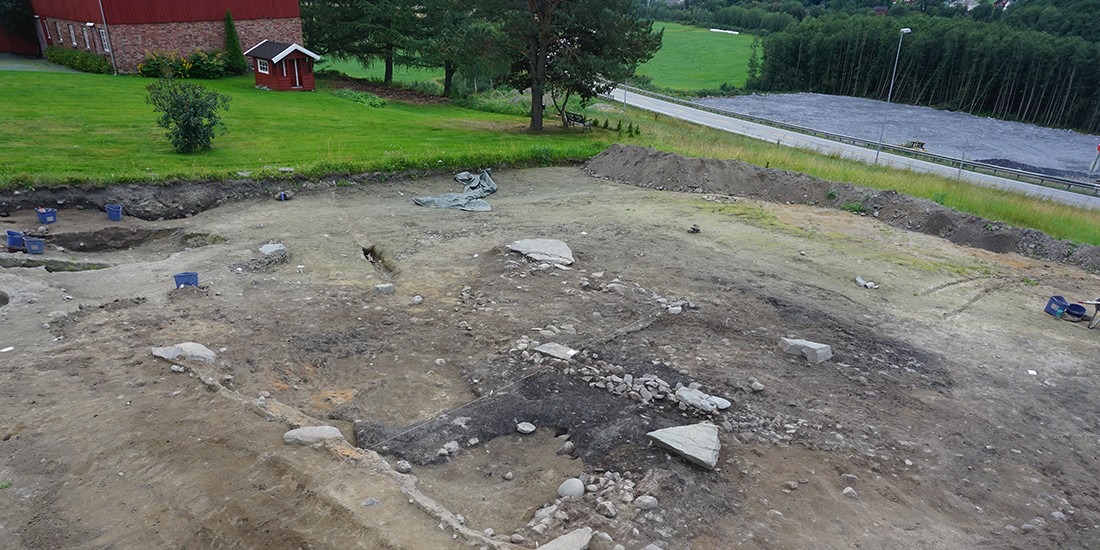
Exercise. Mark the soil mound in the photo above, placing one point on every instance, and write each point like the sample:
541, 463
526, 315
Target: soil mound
654, 169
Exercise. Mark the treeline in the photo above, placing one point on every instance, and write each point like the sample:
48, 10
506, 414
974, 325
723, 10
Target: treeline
991, 69
1056, 17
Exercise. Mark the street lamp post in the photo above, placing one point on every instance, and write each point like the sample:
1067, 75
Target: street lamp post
890, 94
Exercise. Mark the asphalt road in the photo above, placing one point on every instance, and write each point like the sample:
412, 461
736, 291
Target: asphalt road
845, 150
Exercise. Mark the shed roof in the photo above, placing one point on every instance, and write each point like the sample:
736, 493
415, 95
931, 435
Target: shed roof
276, 51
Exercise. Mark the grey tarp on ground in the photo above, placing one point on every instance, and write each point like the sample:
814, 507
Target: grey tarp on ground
478, 186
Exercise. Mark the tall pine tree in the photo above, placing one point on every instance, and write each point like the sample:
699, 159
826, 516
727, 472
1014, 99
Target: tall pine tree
234, 57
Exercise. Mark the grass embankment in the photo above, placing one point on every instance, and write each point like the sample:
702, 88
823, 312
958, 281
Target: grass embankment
691, 58
83, 128
79, 128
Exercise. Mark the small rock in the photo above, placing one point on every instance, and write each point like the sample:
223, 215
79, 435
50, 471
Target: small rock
1058, 515
675, 310
311, 434
384, 288
849, 478
576, 540
607, 509
791, 485
525, 427
571, 487
403, 466
451, 447
371, 502
1027, 528
757, 387
272, 248
850, 493
567, 448
645, 502
509, 476
695, 228
518, 538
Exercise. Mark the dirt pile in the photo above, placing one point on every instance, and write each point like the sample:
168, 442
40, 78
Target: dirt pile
654, 169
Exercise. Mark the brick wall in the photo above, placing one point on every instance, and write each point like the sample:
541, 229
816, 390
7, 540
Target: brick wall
131, 42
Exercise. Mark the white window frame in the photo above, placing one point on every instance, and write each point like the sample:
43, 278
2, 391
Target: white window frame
262, 66
87, 44
72, 35
60, 35
103, 38
46, 25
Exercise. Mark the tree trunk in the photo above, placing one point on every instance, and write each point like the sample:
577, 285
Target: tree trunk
539, 49
448, 77
389, 64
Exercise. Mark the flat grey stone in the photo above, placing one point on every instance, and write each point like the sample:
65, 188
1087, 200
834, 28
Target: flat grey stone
544, 250
384, 288
850, 493
403, 466
812, 351
556, 350
272, 248
697, 443
187, 351
571, 487
576, 540
311, 434
525, 427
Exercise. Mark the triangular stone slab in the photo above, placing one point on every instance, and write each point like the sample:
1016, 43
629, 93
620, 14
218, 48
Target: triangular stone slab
697, 443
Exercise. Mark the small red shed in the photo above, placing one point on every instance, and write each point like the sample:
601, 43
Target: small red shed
282, 67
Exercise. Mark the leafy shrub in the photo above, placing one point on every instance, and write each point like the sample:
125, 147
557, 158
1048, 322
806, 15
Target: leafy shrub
189, 113
80, 60
211, 64
363, 98
164, 64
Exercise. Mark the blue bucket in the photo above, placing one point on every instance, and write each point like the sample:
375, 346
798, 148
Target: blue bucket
1056, 306
15, 238
114, 211
34, 245
1074, 312
187, 278
46, 215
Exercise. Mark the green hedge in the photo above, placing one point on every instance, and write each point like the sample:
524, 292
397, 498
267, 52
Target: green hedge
200, 64
80, 60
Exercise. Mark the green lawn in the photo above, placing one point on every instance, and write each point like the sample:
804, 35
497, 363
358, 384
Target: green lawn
378, 70
71, 127
691, 58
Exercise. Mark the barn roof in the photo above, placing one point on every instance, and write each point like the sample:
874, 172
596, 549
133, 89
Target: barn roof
276, 51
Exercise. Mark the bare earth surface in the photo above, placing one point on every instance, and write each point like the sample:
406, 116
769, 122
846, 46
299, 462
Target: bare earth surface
958, 412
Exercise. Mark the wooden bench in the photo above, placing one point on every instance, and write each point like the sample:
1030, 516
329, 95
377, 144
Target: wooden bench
577, 119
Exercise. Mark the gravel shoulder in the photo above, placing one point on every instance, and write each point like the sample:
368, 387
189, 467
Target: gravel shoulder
966, 414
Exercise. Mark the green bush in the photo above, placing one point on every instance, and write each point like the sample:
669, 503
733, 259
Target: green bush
211, 64
363, 98
80, 60
189, 113
164, 64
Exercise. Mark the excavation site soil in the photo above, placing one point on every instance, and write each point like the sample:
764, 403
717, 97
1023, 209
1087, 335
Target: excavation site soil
954, 412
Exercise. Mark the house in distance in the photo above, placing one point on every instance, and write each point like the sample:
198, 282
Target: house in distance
281, 66
124, 31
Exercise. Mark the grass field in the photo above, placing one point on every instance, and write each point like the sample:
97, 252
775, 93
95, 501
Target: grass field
109, 133
58, 128
697, 59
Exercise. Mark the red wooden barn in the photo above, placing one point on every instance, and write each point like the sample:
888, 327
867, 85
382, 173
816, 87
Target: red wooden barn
124, 30
281, 66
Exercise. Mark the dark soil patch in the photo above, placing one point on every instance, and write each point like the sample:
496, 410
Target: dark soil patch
383, 91
674, 172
